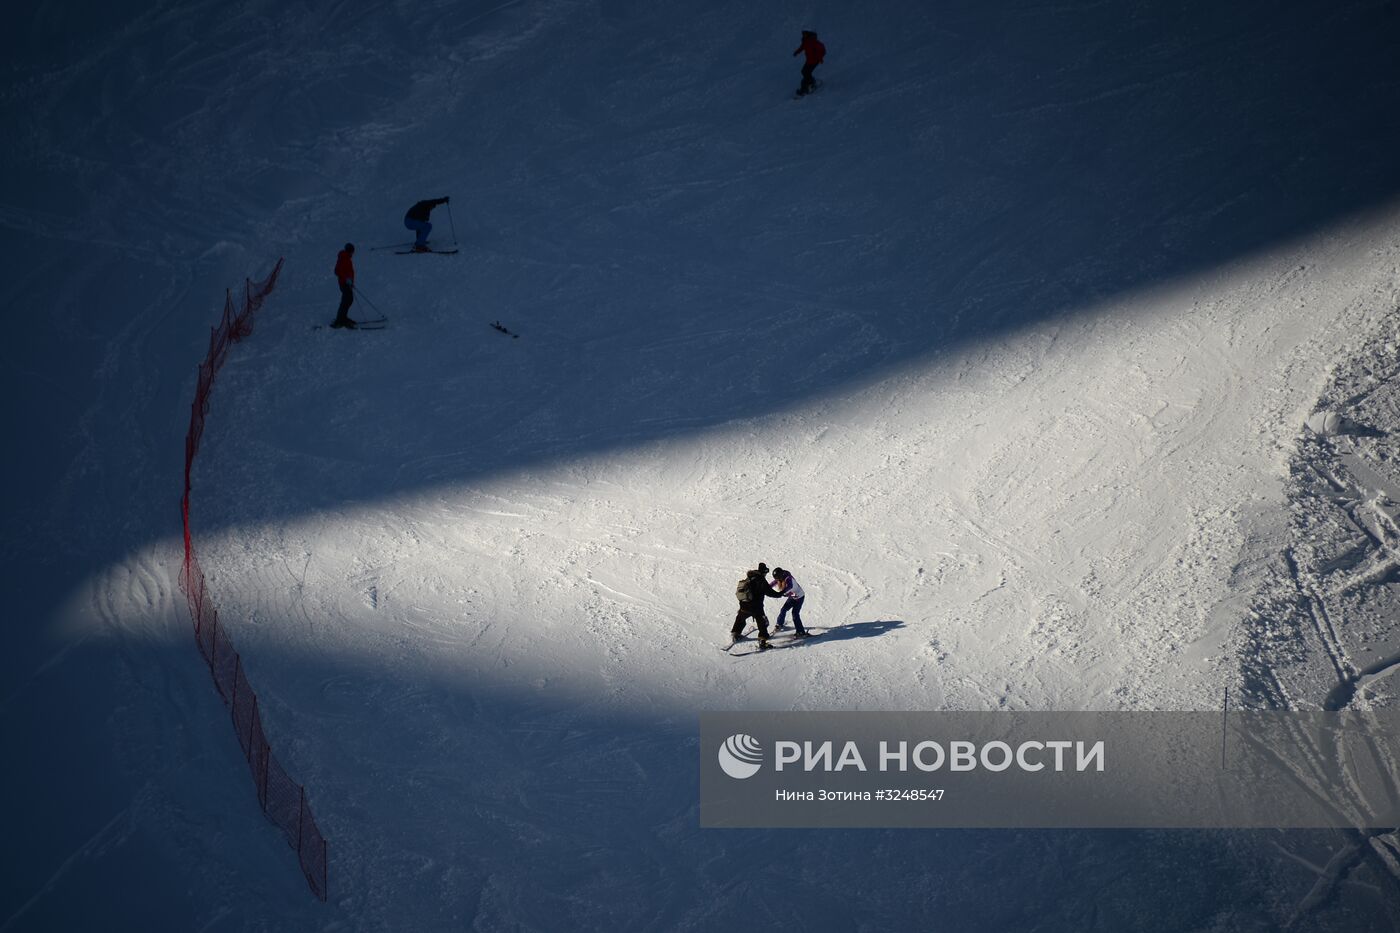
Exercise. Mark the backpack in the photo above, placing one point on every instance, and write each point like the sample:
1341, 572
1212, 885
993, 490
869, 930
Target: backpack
743, 591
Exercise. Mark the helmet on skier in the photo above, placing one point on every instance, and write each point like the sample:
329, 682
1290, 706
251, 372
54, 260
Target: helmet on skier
349, 247
780, 573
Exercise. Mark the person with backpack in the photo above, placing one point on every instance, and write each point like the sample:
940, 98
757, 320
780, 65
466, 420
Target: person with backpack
345, 276
416, 219
790, 588
751, 591
816, 53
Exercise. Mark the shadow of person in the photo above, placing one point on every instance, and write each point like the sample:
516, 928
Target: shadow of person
860, 629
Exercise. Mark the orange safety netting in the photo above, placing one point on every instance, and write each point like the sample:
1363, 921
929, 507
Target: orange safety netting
281, 798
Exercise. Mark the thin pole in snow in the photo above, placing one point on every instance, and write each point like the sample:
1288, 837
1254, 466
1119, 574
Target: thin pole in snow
1224, 722
451, 223
361, 294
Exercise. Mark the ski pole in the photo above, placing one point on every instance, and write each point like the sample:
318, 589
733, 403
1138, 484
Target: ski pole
452, 223
367, 301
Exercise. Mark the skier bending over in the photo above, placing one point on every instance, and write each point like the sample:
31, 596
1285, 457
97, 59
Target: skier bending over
751, 591
816, 52
416, 219
345, 275
784, 581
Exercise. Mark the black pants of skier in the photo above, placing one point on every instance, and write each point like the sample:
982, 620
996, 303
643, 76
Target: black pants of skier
746, 612
796, 606
807, 79
347, 298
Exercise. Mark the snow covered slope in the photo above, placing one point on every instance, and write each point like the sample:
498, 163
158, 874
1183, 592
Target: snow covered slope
1001, 342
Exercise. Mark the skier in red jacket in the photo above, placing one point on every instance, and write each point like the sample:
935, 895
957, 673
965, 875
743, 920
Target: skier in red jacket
815, 53
345, 275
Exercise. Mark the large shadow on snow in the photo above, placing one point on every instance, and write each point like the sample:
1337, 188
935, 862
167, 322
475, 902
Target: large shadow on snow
585, 817
971, 172
1015, 168
455, 799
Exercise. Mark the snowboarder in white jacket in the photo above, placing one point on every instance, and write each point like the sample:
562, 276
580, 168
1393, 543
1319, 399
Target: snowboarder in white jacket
789, 587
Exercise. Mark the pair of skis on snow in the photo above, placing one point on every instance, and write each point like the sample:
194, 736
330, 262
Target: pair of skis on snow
377, 323
747, 646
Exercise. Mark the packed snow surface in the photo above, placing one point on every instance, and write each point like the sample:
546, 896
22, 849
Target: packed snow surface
1003, 343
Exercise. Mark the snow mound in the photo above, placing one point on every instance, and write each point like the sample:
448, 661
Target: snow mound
1330, 424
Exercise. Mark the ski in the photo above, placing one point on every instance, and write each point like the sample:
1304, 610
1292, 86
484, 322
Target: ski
497, 325
438, 252
752, 651
733, 641
789, 641
377, 323
792, 635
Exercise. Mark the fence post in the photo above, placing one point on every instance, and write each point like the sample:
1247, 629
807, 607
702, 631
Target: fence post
213, 639
266, 753
1224, 725
233, 701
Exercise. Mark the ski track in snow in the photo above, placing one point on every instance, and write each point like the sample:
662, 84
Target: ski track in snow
1338, 558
